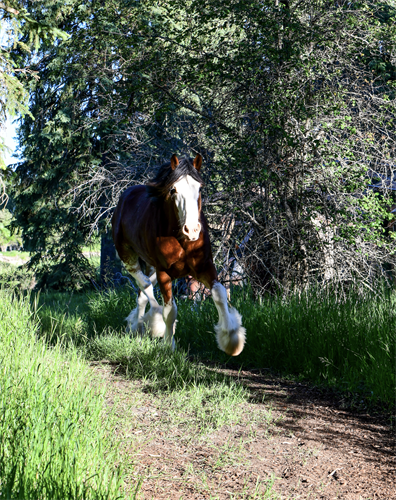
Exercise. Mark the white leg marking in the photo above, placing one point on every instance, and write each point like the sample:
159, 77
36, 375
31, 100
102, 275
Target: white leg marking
137, 319
146, 286
230, 334
169, 315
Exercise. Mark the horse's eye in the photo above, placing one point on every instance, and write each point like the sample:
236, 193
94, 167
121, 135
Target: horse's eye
173, 191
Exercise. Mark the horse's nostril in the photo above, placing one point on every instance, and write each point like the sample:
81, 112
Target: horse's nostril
185, 229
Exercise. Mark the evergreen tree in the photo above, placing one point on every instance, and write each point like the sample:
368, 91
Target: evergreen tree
22, 28
292, 104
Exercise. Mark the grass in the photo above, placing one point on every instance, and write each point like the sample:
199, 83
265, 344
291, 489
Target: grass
192, 393
53, 439
94, 322
16, 253
58, 439
54, 443
348, 344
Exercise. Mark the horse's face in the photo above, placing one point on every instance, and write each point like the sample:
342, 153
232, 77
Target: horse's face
186, 195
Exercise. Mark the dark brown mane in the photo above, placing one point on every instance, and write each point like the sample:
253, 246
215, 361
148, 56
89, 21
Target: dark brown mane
160, 186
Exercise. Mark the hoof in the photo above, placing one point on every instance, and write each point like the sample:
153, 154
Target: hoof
153, 322
231, 340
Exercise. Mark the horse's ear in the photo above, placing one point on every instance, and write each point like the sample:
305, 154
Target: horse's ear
198, 162
174, 162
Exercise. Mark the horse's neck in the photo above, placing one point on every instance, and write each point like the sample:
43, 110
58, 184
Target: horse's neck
168, 218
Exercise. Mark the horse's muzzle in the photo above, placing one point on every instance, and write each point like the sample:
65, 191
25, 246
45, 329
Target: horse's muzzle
192, 232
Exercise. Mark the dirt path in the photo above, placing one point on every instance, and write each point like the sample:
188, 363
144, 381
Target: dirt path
297, 444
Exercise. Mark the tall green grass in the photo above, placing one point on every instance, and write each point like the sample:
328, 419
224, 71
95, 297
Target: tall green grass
349, 344
95, 323
76, 318
53, 442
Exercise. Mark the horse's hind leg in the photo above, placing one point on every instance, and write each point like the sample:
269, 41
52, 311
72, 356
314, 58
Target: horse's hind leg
137, 319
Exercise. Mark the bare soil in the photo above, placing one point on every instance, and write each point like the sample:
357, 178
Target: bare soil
295, 441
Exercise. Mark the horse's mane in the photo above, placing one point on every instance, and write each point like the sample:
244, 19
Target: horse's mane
161, 184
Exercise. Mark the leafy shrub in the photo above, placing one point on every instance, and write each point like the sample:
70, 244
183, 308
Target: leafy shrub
15, 277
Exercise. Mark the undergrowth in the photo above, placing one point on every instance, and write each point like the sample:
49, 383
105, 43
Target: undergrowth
347, 343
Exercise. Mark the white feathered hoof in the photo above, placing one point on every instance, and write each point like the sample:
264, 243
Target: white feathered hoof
154, 322
231, 337
132, 321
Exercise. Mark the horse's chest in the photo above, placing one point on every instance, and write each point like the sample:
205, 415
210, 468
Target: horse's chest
179, 259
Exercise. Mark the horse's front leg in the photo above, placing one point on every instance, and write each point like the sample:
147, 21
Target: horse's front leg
169, 312
230, 334
137, 320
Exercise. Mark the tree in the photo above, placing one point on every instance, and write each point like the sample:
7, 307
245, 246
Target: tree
291, 103
81, 125
295, 102
21, 31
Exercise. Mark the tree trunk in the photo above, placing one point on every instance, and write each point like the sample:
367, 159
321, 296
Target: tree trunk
110, 264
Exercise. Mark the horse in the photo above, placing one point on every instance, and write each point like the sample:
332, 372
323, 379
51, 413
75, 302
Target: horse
161, 234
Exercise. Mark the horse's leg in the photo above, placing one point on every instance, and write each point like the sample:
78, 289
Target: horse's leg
230, 334
170, 310
153, 319
137, 320
136, 317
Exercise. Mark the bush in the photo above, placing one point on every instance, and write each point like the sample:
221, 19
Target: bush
15, 277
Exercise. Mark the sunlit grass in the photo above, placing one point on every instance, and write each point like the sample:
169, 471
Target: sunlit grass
193, 393
348, 344
16, 253
53, 438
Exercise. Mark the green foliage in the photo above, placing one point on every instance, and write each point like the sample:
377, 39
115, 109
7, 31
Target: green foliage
22, 30
5, 220
67, 270
15, 277
54, 442
290, 103
6, 236
72, 134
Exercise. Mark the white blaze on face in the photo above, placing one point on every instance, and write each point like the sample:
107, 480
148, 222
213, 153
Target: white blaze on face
186, 200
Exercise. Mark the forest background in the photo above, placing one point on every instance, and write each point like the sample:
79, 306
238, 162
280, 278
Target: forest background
291, 104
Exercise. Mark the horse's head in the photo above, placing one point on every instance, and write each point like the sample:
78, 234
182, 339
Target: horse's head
185, 192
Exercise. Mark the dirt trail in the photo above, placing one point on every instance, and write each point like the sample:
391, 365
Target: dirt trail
311, 446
